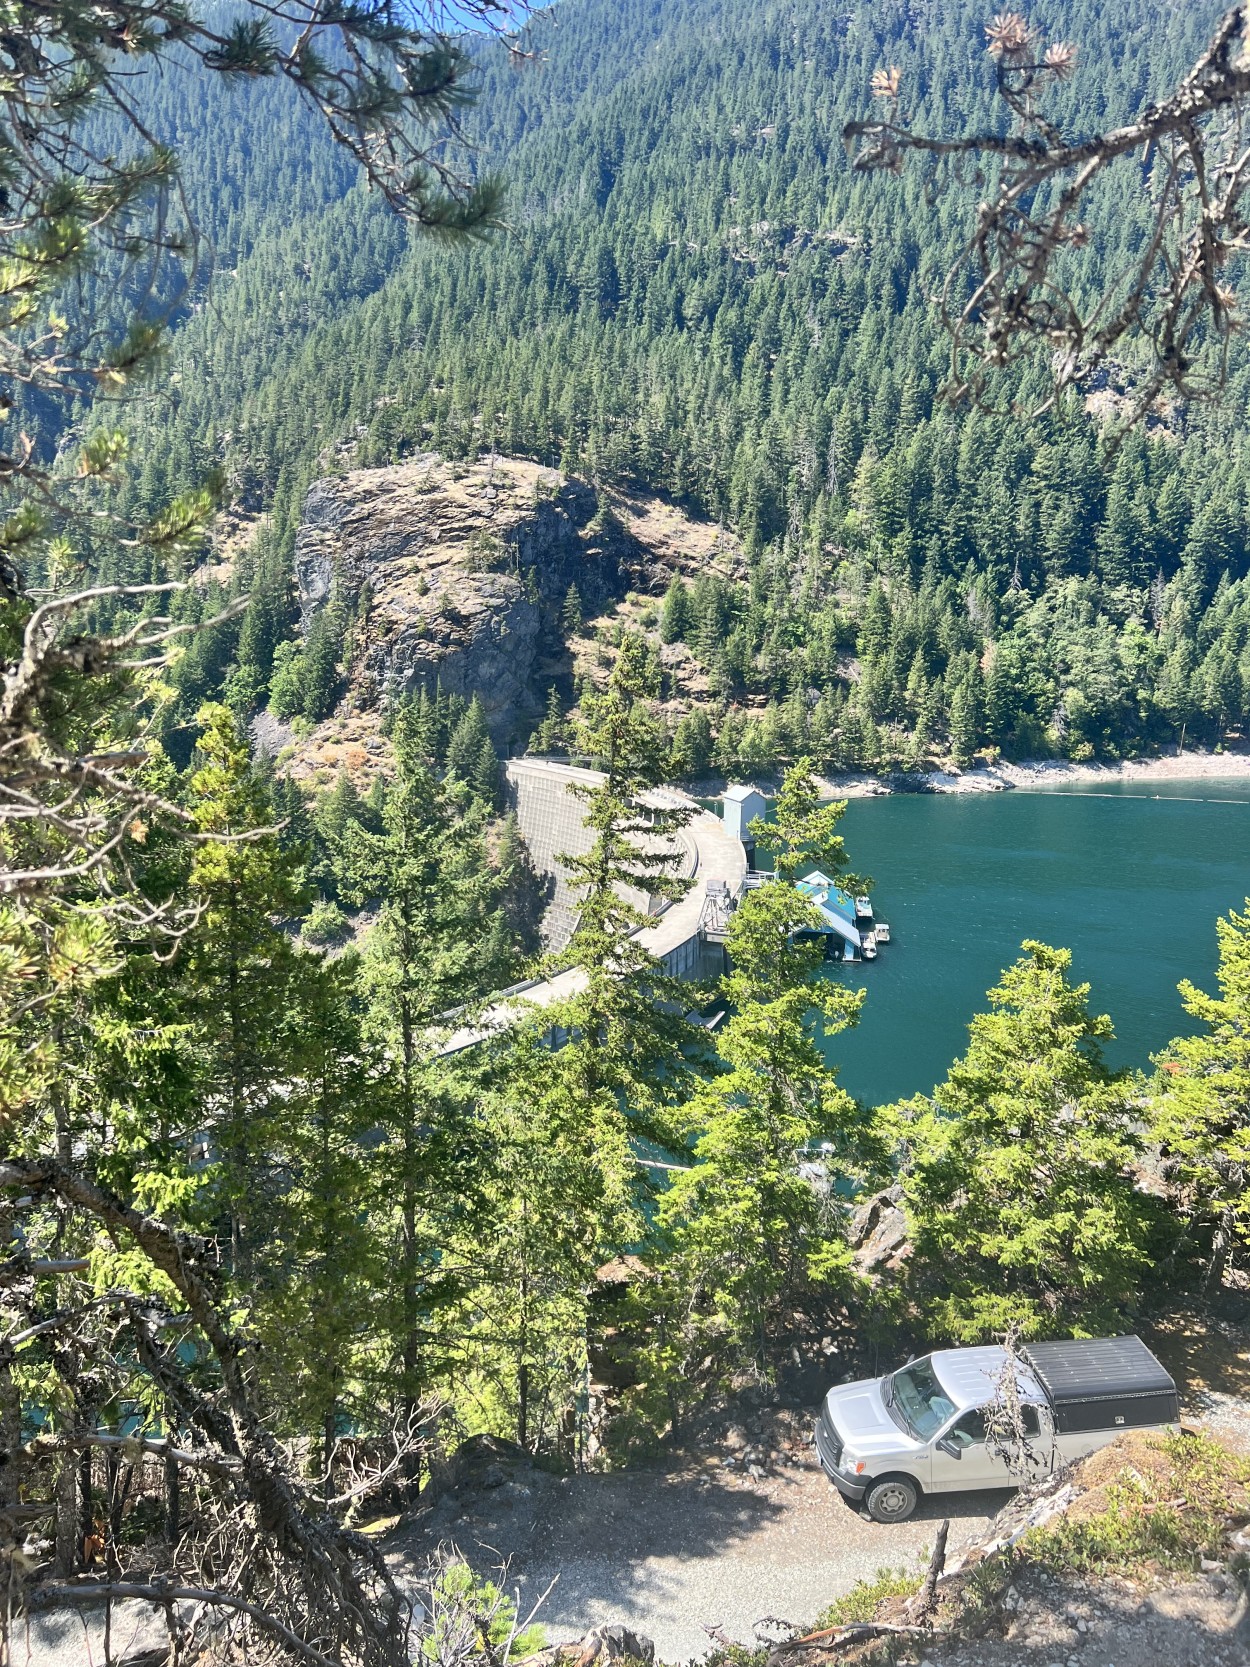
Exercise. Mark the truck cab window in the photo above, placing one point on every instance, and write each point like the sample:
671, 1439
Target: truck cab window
969, 1429
918, 1401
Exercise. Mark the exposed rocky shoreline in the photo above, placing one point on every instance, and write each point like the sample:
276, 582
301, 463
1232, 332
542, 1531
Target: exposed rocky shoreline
1048, 773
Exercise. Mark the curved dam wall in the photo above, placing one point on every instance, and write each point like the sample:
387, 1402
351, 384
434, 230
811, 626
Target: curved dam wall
550, 818
551, 821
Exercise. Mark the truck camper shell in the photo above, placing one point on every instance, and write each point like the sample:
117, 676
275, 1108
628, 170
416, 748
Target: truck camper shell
1099, 1383
923, 1429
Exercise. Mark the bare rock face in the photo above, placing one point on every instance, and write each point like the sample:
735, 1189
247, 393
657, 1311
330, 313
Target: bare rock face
458, 572
878, 1234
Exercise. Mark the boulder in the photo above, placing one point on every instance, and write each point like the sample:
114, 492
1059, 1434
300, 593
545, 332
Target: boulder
480, 1464
602, 1645
878, 1233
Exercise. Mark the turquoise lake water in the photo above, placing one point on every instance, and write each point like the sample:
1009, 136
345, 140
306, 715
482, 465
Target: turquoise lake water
1130, 882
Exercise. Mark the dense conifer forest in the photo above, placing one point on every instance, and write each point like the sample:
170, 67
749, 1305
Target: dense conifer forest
273, 1241
697, 295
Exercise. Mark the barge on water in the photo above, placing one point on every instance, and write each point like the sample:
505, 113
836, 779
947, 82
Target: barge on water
850, 929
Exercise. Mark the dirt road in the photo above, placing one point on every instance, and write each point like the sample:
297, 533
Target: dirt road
669, 1554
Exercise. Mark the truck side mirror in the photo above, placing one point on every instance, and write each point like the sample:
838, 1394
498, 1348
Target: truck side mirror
952, 1449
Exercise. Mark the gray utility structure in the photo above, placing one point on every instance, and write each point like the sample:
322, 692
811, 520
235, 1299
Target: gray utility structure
742, 806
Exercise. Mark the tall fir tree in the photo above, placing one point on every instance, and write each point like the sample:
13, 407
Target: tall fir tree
239, 973
327, 1274
1200, 1109
428, 877
754, 1225
1017, 1175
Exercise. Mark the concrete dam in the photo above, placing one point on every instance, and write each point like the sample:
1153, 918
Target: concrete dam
686, 937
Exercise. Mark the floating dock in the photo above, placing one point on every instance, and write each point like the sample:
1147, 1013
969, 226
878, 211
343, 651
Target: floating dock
848, 925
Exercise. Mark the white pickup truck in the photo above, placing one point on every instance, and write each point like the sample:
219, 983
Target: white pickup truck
922, 1429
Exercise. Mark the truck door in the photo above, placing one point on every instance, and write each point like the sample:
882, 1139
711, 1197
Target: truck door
979, 1465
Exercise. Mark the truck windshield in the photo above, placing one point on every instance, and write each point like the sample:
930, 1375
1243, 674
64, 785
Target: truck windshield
916, 1399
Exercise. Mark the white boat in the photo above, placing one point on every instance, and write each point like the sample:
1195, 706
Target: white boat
882, 931
863, 908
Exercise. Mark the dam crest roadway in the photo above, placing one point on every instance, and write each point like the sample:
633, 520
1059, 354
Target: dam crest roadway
551, 821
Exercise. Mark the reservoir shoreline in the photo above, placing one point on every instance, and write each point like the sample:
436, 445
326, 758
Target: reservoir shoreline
1040, 775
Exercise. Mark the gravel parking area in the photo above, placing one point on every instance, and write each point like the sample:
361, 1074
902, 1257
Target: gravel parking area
667, 1554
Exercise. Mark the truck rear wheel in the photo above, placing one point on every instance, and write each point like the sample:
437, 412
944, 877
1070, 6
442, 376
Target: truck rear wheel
892, 1499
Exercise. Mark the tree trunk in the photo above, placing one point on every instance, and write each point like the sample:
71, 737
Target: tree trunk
328, 1441
173, 1500
523, 1365
86, 1501
238, 1153
112, 1509
1221, 1249
408, 1256
67, 1515
10, 1396
408, 1259
926, 1598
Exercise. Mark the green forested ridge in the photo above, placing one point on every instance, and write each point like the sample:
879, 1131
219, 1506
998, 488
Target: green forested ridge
269, 1243
698, 295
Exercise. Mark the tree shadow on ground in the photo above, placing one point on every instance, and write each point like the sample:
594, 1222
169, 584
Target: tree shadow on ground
1207, 1350
668, 1552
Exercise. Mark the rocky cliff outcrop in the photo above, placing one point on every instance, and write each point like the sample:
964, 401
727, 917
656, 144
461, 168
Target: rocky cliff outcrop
458, 572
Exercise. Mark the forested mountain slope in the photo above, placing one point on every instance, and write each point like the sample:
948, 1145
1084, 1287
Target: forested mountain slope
698, 295
274, 1245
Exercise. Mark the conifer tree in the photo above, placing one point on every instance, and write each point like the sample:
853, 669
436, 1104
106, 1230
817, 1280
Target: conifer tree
435, 893
337, 810
321, 670
692, 744
964, 723
591, 1074
287, 681
549, 735
326, 1273
571, 613
239, 974
744, 1229
472, 757
554, 1205
1017, 1178
1200, 1109
622, 1038
485, 780
464, 745
675, 615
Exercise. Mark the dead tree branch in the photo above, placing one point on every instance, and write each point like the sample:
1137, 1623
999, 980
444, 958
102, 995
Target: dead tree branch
923, 1604
326, 1586
101, 1591
1025, 281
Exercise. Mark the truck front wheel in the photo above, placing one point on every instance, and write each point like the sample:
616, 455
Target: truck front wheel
892, 1499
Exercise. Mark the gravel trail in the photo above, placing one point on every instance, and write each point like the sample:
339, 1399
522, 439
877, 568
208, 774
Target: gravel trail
667, 1554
